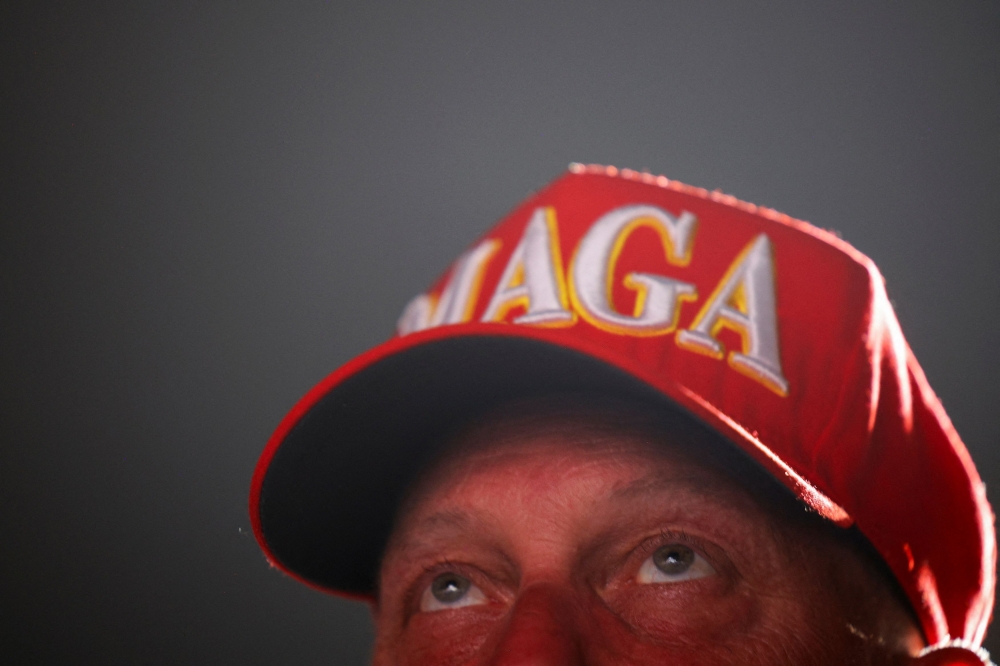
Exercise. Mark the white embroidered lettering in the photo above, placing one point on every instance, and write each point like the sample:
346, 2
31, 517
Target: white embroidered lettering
743, 302
657, 297
533, 278
458, 297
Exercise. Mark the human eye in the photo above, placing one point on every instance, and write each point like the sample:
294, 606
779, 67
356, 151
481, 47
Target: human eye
674, 563
450, 590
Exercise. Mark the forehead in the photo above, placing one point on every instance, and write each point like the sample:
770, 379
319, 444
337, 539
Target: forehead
560, 448
583, 451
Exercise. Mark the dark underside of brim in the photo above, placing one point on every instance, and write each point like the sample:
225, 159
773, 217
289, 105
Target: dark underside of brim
328, 498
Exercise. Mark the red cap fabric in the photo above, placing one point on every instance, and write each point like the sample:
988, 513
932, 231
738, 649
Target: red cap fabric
776, 334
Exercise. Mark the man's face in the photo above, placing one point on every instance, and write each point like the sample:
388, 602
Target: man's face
572, 543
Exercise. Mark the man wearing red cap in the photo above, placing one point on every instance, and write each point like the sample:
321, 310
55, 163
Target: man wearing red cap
639, 423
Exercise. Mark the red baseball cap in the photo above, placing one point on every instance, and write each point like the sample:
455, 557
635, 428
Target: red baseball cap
774, 333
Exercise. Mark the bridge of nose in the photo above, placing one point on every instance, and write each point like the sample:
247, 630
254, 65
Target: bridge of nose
542, 629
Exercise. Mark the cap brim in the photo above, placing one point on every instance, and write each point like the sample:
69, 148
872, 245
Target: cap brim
326, 488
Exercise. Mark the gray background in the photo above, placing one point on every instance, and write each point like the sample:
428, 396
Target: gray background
206, 208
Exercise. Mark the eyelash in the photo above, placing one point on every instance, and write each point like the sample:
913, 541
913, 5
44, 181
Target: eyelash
438, 566
645, 548
668, 536
428, 573
650, 544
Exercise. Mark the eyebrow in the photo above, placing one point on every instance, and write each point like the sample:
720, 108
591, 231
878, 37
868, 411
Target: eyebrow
647, 485
449, 518
712, 489
422, 533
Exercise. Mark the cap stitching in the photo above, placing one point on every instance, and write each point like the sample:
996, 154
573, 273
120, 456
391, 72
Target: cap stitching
718, 196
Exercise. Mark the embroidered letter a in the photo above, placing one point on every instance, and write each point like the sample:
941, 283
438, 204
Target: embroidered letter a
744, 302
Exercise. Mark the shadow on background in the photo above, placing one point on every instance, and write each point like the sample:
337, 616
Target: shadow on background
206, 209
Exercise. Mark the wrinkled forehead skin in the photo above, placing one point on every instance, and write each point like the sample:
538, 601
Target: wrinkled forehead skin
564, 495
594, 422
